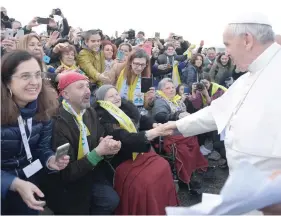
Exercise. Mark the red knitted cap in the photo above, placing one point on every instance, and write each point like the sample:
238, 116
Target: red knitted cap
69, 78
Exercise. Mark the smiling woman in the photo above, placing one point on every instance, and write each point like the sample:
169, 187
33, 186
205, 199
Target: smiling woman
27, 104
22, 83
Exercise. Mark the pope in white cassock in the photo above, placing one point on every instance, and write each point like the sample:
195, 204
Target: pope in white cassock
248, 115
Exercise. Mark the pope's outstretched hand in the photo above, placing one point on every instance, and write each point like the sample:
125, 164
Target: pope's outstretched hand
171, 125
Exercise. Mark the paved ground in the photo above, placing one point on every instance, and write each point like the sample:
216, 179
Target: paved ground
211, 182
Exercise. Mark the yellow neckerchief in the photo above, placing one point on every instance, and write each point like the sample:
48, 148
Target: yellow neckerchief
176, 76
124, 121
122, 81
174, 100
215, 88
73, 67
188, 52
83, 146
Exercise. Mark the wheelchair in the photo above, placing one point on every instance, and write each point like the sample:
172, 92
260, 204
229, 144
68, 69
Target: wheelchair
158, 146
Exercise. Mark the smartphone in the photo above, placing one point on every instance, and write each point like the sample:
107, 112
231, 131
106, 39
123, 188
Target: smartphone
62, 150
43, 20
146, 84
20, 33
120, 55
186, 90
9, 33
157, 34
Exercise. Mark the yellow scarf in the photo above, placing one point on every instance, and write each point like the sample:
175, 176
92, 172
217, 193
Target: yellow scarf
73, 67
215, 88
174, 100
176, 76
188, 52
120, 83
124, 121
83, 147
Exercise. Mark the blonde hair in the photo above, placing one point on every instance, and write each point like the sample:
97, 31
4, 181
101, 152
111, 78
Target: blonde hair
23, 42
23, 45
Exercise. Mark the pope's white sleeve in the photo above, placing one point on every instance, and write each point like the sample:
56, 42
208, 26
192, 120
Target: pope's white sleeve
197, 123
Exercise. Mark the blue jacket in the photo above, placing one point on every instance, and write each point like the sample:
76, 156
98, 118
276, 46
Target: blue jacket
13, 156
190, 75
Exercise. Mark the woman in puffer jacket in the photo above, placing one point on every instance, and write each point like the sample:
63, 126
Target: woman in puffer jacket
193, 72
27, 105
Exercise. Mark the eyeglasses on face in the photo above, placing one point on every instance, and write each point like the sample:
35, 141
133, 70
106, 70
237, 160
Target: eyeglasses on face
28, 76
139, 65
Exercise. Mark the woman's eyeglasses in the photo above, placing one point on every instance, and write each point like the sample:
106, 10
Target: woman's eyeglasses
139, 65
28, 76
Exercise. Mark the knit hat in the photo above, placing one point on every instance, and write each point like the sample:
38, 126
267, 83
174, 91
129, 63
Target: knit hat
69, 78
101, 92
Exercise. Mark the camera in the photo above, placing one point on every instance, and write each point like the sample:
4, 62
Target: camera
5, 21
57, 12
200, 86
131, 34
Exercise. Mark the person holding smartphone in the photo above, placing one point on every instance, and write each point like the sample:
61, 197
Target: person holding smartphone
82, 188
129, 83
28, 103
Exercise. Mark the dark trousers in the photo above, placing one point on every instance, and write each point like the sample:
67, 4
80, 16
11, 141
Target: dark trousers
104, 199
14, 205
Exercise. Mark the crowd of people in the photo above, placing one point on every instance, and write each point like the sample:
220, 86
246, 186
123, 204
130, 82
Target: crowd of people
109, 98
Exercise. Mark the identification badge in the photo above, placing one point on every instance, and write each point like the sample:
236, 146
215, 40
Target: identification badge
222, 135
32, 168
139, 99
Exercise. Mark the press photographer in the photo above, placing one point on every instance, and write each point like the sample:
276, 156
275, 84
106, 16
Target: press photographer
128, 37
62, 27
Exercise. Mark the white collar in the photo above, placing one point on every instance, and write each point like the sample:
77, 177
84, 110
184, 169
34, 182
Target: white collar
263, 59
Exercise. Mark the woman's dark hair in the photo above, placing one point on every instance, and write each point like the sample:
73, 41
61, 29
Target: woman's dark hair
68, 49
47, 99
179, 86
194, 58
128, 73
219, 60
170, 45
107, 42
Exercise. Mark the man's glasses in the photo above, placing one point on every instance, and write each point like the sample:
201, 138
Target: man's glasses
28, 76
139, 65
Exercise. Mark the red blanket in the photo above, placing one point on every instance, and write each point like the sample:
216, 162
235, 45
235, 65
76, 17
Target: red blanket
145, 186
188, 155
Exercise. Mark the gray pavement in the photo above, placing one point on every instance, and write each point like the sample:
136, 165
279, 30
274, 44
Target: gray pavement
211, 182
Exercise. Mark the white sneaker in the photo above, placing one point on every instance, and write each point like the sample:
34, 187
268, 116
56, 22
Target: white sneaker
204, 150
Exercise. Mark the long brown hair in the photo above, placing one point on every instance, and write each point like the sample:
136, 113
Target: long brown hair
47, 99
129, 74
114, 48
194, 58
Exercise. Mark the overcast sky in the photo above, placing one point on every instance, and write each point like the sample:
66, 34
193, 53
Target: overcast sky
195, 20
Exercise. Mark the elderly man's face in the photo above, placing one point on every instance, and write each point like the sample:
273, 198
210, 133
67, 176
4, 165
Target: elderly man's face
238, 48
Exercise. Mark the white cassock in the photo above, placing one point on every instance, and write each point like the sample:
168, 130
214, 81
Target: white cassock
248, 115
